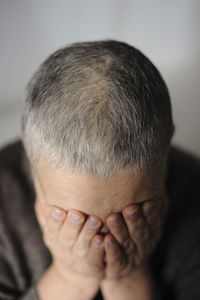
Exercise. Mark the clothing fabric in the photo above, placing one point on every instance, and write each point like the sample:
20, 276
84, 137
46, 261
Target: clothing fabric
24, 257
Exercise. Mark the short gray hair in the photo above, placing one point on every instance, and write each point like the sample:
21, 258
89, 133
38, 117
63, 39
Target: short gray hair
97, 107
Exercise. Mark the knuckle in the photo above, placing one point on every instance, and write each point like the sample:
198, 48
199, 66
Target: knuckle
139, 233
117, 261
140, 223
68, 233
64, 235
127, 243
88, 233
65, 241
94, 263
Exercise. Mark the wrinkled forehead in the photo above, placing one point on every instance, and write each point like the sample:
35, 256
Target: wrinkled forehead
92, 195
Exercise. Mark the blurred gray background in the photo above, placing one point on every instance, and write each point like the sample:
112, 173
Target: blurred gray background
166, 31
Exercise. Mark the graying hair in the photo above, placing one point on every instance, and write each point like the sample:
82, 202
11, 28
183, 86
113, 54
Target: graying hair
97, 107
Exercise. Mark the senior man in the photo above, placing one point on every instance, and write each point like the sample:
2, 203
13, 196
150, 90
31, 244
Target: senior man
95, 202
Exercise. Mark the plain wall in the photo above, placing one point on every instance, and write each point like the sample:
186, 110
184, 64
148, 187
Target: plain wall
166, 31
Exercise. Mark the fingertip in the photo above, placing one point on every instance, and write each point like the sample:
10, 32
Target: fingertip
78, 212
130, 209
148, 207
110, 240
98, 241
76, 216
57, 213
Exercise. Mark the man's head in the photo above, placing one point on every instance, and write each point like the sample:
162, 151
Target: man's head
97, 126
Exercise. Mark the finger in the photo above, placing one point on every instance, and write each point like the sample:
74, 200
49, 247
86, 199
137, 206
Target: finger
135, 222
154, 221
149, 211
151, 214
96, 253
71, 228
139, 231
115, 258
90, 228
53, 223
119, 230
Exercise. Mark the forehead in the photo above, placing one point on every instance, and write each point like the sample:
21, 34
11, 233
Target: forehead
73, 190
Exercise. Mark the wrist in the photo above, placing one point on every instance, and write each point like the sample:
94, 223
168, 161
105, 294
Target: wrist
137, 285
52, 286
85, 286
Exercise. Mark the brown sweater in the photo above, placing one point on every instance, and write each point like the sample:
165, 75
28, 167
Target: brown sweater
24, 257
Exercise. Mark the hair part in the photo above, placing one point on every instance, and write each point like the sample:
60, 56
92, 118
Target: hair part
97, 107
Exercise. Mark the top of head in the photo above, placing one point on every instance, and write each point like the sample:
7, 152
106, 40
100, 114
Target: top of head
97, 107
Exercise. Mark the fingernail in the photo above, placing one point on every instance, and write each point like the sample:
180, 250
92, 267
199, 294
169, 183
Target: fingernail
148, 208
134, 213
97, 242
114, 221
92, 222
74, 217
110, 241
58, 214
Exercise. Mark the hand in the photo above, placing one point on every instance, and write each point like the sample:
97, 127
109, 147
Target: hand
76, 248
133, 236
